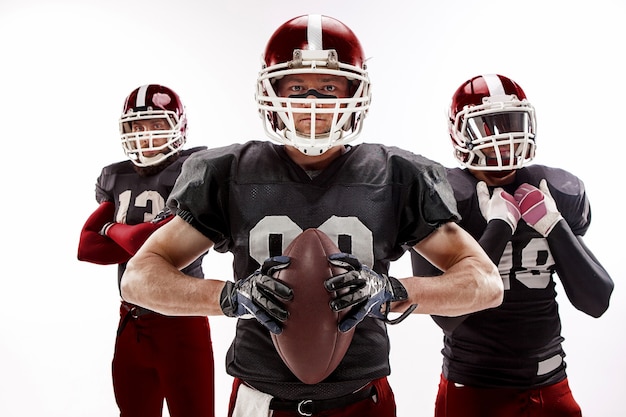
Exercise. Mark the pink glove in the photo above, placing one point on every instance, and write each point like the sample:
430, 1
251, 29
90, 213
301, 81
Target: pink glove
501, 205
538, 207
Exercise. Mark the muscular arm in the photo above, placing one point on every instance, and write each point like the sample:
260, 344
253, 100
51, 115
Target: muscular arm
493, 241
587, 284
470, 281
153, 279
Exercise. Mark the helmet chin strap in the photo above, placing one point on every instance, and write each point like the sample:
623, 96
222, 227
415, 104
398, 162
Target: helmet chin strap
326, 141
151, 160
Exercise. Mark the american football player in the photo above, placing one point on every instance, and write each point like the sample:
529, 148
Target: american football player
156, 357
253, 199
530, 219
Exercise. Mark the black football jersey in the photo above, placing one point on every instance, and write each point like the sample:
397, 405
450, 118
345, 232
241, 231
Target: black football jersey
252, 200
517, 344
138, 198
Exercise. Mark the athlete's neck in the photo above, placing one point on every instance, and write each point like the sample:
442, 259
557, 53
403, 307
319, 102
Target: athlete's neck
495, 178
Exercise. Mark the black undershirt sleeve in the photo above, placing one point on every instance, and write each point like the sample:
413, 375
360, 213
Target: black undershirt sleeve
587, 284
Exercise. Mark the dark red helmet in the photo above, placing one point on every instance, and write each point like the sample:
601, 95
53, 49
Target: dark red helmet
314, 32
313, 44
150, 102
492, 124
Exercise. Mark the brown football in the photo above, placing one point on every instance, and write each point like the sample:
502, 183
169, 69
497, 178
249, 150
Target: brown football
311, 344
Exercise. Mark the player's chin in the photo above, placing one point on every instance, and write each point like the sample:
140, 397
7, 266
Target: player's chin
305, 126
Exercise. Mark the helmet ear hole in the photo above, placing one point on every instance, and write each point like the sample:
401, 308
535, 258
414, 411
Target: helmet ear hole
126, 128
276, 121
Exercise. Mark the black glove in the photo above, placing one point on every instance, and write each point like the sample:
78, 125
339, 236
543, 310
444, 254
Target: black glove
258, 295
366, 292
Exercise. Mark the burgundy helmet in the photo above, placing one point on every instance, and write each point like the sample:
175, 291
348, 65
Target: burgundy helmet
153, 102
492, 124
301, 33
313, 44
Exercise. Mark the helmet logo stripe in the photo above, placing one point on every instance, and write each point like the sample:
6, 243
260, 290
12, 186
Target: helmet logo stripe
494, 84
141, 96
314, 32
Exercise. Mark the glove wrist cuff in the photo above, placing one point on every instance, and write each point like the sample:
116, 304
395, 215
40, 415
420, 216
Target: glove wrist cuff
105, 228
227, 303
545, 225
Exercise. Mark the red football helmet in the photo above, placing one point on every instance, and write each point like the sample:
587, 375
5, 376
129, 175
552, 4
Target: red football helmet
313, 44
492, 125
151, 147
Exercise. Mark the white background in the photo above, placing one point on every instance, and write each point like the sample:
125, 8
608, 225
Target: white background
66, 67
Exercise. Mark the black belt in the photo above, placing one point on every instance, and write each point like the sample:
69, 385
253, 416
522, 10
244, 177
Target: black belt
135, 311
132, 311
310, 407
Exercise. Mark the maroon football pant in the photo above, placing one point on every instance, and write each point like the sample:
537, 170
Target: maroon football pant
158, 357
463, 401
383, 406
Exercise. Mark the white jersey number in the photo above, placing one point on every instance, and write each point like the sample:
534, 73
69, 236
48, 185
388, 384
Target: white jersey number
536, 262
338, 229
158, 204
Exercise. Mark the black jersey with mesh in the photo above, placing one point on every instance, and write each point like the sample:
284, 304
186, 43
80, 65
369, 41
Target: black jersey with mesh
251, 200
140, 198
518, 344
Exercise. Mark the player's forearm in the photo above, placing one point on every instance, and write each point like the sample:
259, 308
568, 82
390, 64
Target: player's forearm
97, 249
470, 281
153, 283
587, 284
495, 238
469, 286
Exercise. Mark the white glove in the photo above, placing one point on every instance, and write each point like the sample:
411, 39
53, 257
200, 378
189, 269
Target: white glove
538, 207
501, 205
